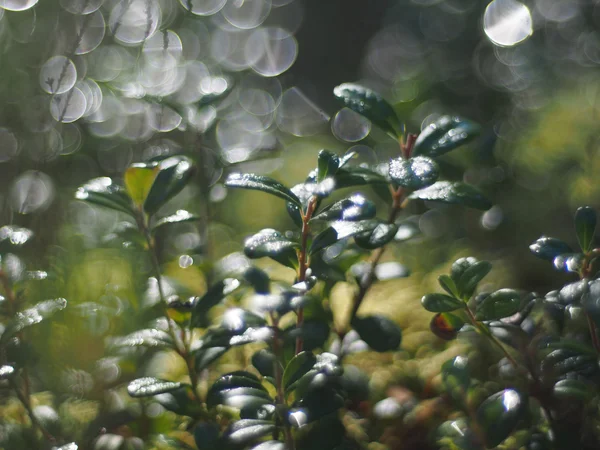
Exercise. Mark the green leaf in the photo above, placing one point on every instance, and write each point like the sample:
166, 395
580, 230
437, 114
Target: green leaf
150, 337
239, 397
7, 372
377, 237
238, 327
206, 356
327, 165
414, 173
573, 390
149, 386
181, 401
262, 183
173, 175
441, 303
206, 436
234, 380
12, 237
315, 404
446, 325
211, 298
585, 227
447, 283
456, 377
499, 304
371, 105
357, 176
456, 435
446, 134
243, 432
270, 445
179, 217
346, 229
380, 333
499, 415
549, 248
138, 179
264, 361
272, 243
258, 279
32, 316
297, 367
313, 332
467, 273
324, 239
102, 191
350, 209
454, 192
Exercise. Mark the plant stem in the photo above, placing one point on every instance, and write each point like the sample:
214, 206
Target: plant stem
303, 263
26, 401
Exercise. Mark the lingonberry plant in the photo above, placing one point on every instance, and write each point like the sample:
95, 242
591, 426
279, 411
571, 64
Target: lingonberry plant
291, 393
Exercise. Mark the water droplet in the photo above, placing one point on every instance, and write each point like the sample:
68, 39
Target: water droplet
17, 5
81, 6
134, 22
203, 7
68, 107
298, 115
507, 22
185, 261
90, 30
350, 126
31, 192
277, 49
58, 75
246, 14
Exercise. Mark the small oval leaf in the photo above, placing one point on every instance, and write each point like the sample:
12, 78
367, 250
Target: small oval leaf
414, 173
446, 325
149, 386
444, 135
380, 333
262, 183
173, 175
549, 248
441, 303
454, 192
498, 305
499, 415
585, 227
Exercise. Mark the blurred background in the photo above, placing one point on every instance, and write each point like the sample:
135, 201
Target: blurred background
89, 86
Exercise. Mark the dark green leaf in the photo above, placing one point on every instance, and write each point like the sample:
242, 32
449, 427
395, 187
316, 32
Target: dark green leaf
206, 436
329, 433
454, 192
150, 337
573, 390
272, 243
313, 332
371, 105
441, 303
211, 298
380, 333
149, 386
12, 236
585, 227
245, 431
353, 208
260, 412
447, 133
138, 179
549, 248
262, 183
258, 279
414, 173
204, 357
173, 175
456, 435
297, 367
327, 165
324, 239
499, 304
446, 325
102, 191
32, 316
270, 445
234, 380
264, 361
179, 217
347, 229
181, 401
377, 237
455, 375
357, 176
7, 372
467, 273
239, 397
315, 404
499, 415
447, 283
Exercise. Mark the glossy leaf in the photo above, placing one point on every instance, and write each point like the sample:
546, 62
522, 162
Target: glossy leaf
102, 191
457, 435
270, 445
357, 176
347, 229
272, 243
549, 248
235, 380
181, 401
467, 273
414, 173
448, 284
238, 327
327, 165
454, 192
356, 207
149, 386
444, 135
455, 375
239, 397
441, 303
446, 325
138, 179
180, 216
380, 333
297, 367
499, 415
499, 304
264, 361
585, 227
173, 175
206, 356
151, 338
377, 237
324, 239
313, 332
206, 436
262, 183
573, 390
371, 105
211, 298
258, 279
314, 405
569, 262
245, 431
32, 316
